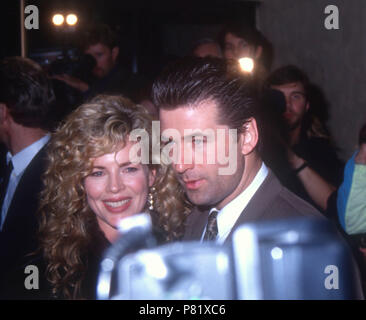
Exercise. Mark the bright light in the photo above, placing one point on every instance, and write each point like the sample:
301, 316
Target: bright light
277, 253
155, 266
71, 19
246, 64
58, 19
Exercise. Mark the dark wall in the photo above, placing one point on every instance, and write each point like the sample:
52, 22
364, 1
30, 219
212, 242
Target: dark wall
10, 29
335, 60
151, 32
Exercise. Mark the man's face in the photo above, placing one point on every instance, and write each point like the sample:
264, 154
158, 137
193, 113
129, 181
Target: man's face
200, 177
208, 50
236, 48
296, 103
105, 57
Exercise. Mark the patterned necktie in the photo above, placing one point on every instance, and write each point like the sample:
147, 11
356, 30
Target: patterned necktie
4, 183
211, 228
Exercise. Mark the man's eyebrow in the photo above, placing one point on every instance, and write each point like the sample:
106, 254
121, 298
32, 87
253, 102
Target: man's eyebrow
195, 134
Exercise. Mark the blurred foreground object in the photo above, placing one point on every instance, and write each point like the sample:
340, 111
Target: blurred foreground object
285, 259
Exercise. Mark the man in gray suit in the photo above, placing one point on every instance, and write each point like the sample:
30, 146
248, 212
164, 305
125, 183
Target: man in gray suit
210, 120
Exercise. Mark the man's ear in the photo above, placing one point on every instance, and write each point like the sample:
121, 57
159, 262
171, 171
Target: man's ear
115, 53
258, 52
307, 106
3, 112
249, 136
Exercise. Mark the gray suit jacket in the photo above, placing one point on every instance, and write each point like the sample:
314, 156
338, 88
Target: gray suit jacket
271, 201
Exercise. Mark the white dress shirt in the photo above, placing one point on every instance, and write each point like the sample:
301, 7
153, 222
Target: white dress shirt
20, 162
229, 214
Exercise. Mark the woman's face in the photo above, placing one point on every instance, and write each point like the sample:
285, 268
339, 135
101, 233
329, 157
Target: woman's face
117, 189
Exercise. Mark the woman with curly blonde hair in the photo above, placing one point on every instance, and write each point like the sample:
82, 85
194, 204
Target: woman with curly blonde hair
91, 184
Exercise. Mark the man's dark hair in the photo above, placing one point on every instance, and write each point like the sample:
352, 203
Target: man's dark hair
252, 36
203, 41
318, 105
26, 91
99, 33
288, 74
192, 80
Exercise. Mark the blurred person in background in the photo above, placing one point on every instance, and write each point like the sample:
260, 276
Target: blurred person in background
310, 166
351, 201
240, 40
207, 48
26, 101
111, 75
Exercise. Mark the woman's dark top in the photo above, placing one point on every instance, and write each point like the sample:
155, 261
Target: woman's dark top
15, 283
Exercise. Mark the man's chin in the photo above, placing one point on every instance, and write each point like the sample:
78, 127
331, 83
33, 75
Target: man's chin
292, 125
99, 74
198, 198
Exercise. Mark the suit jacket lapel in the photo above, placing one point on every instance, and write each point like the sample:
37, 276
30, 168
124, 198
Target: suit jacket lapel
30, 180
260, 201
196, 222
254, 210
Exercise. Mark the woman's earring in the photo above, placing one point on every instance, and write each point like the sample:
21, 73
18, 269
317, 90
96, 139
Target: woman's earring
150, 199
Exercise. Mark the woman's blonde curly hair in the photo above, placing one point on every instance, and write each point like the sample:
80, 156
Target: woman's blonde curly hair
67, 224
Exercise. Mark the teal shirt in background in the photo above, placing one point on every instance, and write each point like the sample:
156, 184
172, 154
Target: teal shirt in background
351, 199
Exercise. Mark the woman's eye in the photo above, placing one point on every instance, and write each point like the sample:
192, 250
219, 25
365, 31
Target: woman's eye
97, 174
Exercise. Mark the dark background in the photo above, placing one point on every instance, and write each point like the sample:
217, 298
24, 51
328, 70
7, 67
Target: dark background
151, 32
155, 31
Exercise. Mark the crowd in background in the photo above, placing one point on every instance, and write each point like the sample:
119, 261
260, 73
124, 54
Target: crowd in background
66, 175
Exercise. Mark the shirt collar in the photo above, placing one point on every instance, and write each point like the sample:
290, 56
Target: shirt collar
228, 215
22, 159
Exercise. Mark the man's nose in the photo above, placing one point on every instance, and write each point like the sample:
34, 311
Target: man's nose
184, 162
237, 53
182, 167
288, 102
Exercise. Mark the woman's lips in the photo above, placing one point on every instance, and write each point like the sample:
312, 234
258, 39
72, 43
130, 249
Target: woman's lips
117, 206
193, 184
